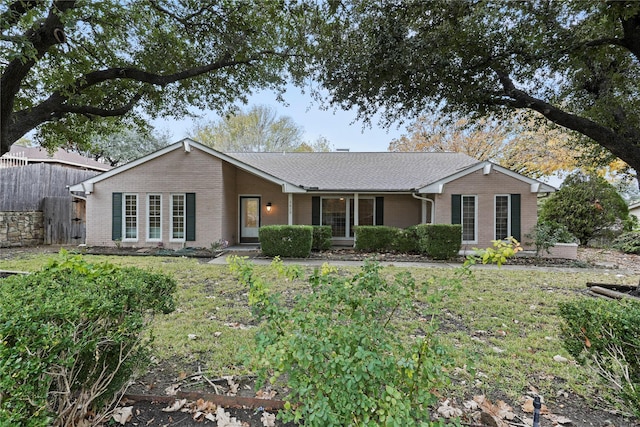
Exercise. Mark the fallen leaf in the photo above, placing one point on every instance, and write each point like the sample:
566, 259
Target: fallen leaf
192, 336
226, 420
172, 390
268, 420
560, 359
497, 413
448, 411
123, 414
177, 405
527, 407
261, 394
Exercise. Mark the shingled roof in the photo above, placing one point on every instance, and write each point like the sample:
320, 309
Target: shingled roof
353, 171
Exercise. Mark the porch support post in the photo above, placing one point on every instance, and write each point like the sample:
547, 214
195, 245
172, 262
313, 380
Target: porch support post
290, 208
356, 215
424, 211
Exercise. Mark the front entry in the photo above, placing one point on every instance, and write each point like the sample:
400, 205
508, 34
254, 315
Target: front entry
249, 219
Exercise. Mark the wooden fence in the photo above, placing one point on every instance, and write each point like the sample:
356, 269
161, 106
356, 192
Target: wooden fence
23, 188
43, 187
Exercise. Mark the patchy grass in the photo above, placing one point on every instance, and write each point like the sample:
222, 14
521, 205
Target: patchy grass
502, 325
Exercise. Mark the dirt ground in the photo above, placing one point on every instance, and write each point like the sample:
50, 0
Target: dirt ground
198, 409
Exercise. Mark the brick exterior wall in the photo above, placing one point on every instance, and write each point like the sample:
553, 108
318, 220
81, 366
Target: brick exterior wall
21, 229
219, 185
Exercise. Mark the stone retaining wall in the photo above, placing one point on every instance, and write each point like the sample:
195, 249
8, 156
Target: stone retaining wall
21, 229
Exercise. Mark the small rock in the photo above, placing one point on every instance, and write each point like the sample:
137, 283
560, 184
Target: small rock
560, 359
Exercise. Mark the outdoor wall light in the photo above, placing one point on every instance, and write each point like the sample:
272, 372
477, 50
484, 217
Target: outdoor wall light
268, 206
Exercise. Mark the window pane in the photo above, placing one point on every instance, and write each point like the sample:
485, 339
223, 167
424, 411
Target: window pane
365, 213
154, 216
502, 217
177, 216
334, 213
130, 216
468, 218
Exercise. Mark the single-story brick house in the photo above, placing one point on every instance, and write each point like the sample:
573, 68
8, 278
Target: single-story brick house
188, 194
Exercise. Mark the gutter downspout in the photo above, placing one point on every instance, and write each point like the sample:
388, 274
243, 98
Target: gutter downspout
424, 207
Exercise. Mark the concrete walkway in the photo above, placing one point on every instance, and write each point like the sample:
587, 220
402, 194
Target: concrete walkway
315, 262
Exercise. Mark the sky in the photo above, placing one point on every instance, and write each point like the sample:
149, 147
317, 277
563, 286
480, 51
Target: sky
338, 127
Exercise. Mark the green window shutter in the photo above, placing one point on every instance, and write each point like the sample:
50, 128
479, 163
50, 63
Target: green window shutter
191, 216
515, 217
456, 209
315, 210
379, 210
116, 216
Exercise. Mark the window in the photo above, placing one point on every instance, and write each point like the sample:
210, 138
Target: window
502, 217
469, 219
178, 217
130, 217
154, 217
339, 213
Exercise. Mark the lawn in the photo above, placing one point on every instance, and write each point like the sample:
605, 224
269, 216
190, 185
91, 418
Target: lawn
501, 326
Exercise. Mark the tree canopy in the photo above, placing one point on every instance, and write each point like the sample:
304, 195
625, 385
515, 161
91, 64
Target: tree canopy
68, 64
575, 63
515, 143
129, 144
259, 129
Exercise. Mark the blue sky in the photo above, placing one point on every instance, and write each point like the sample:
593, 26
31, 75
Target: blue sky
339, 127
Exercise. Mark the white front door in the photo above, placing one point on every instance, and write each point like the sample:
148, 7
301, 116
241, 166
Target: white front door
249, 219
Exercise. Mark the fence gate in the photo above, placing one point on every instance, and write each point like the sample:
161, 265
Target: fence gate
64, 220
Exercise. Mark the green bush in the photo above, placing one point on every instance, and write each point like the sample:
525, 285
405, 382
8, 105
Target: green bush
374, 238
439, 241
628, 243
406, 240
546, 234
604, 335
71, 336
588, 206
340, 353
321, 238
289, 241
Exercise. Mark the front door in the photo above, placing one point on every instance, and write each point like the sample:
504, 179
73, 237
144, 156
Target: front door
249, 219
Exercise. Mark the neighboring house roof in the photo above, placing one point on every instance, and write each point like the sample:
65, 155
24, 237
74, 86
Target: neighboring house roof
341, 171
60, 156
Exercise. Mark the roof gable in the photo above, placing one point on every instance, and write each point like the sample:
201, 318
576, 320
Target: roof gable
417, 172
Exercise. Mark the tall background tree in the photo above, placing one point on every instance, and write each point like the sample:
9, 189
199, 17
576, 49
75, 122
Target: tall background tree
66, 64
258, 129
129, 144
515, 143
575, 63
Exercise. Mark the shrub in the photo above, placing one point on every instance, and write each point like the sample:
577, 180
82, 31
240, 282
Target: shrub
440, 241
321, 238
71, 338
375, 238
628, 243
604, 335
406, 240
340, 354
290, 241
588, 206
546, 234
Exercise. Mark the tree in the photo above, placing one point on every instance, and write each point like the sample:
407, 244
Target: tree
258, 129
127, 145
514, 143
575, 63
587, 205
67, 65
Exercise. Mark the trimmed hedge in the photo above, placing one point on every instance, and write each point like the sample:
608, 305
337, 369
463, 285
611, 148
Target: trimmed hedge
406, 240
321, 238
374, 237
287, 241
439, 241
